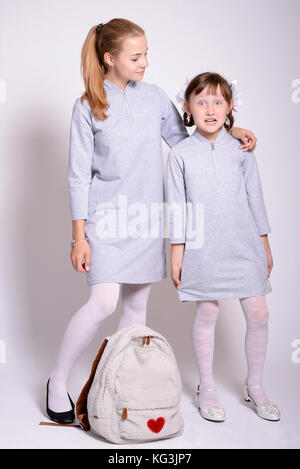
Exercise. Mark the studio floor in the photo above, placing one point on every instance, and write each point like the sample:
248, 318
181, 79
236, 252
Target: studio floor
24, 409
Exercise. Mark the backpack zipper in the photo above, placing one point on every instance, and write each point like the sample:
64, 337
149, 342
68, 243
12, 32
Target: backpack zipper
215, 160
124, 96
104, 369
125, 410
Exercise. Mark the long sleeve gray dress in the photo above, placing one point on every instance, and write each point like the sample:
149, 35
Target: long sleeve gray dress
221, 216
118, 163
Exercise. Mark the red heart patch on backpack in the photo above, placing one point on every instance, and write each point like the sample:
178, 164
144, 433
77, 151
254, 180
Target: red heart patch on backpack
156, 425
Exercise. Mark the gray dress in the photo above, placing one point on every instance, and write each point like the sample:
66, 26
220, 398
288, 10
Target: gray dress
116, 167
221, 216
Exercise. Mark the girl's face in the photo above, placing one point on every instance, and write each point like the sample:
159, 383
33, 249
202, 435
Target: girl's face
131, 62
209, 111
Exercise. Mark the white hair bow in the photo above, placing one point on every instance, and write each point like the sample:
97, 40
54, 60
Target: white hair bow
235, 93
180, 95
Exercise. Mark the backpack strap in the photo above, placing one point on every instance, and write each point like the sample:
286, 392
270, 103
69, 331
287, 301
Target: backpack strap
60, 424
81, 404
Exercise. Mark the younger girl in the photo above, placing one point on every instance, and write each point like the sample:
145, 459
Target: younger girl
215, 185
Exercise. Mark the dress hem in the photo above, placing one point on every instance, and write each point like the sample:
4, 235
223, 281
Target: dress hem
152, 280
187, 297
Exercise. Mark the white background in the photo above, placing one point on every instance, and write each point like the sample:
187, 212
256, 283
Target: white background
255, 42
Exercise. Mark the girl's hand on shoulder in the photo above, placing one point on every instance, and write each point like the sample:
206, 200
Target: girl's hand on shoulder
245, 136
78, 252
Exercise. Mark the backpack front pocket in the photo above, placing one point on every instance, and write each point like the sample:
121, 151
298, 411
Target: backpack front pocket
149, 424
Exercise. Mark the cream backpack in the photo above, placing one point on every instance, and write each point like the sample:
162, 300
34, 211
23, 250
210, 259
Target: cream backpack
134, 389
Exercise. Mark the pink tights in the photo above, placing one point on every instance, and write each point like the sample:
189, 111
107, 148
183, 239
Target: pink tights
256, 315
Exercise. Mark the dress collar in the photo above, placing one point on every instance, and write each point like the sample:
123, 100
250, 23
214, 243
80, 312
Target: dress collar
113, 87
222, 137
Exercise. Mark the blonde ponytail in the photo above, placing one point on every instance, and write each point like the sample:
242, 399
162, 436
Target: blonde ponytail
108, 38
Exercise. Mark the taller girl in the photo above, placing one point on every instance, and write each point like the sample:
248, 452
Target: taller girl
115, 163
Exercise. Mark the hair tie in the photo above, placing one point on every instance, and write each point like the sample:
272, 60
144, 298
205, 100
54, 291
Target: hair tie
99, 27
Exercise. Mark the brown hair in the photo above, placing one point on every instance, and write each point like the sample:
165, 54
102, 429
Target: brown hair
212, 80
108, 38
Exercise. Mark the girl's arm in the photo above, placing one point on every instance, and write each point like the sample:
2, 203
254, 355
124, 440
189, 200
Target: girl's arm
176, 198
256, 202
255, 193
81, 151
176, 202
246, 136
173, 129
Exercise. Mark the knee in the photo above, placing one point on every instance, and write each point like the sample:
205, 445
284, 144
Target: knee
135, 305
135, 298
208, 310
102, 308
260, 315
108, 306
258, 312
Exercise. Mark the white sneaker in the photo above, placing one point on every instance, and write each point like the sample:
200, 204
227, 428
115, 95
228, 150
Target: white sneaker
268, 412
215, 413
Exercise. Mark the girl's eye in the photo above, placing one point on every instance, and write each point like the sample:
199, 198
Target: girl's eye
201, 102
218, 102
134, 60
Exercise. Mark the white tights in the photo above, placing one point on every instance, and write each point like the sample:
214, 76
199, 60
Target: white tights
84, 325
256, 315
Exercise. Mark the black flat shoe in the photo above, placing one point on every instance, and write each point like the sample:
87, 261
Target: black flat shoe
60, 417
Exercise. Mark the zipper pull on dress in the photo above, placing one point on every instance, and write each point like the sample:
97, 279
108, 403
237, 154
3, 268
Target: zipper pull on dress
128, 110
215, 160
